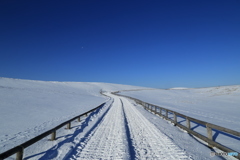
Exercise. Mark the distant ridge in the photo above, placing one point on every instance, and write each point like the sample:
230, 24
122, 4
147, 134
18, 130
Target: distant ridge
178, 88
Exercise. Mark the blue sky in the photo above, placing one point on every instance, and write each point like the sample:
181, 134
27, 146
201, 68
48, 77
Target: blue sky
160, 44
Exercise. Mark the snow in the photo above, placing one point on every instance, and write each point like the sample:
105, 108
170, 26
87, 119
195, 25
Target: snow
180, 138
108, 140
120, 129
28, 108
217, 105
148, 141
126, 134
177, 88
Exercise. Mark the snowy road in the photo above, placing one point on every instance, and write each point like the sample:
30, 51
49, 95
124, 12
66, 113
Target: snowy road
120, 129
124, 133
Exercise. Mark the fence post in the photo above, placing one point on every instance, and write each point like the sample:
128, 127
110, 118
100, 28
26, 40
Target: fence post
19, 155
69, 125
53, 136
79, 119
175, 119
188, 123
155, 109
166, 113
209, 134
160, 111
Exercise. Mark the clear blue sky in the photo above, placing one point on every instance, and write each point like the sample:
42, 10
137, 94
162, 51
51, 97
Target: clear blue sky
152, 43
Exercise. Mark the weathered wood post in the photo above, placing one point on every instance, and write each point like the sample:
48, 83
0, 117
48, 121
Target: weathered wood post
175, 119
19, 155
188, 123
166, 113
209, 134
79, 119
69, 125
160, 111
53, 135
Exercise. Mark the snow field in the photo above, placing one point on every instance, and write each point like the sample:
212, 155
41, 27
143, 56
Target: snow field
119, 130
29, 108
217, 105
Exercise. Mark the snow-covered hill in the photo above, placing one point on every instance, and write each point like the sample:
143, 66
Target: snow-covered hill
217, 105
28, 108
120, 128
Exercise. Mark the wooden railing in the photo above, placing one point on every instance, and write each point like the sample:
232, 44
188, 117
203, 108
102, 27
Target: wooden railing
209, 126
19, 150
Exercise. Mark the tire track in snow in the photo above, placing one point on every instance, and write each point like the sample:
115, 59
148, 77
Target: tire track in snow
124, 133
130, 145
147, 140
109, 139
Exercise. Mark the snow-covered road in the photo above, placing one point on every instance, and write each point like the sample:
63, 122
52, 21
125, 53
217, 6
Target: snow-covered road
147, 140
124, 133
120, 129
108, 140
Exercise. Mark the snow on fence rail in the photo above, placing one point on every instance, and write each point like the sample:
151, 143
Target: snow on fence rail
20, 149
209, 126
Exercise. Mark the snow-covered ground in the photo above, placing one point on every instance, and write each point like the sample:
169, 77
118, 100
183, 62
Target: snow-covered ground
28, 108
217, 105
120, 129
125, 133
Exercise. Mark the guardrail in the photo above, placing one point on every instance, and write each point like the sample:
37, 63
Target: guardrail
209, 126
20, 149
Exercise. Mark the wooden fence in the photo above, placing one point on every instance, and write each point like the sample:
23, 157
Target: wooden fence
19, 150
209, 126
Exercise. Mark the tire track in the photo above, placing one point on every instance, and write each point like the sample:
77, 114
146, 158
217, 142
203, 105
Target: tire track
108, 140
147, 140
130, 145
124, 133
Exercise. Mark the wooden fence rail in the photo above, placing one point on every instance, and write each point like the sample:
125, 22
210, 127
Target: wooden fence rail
19, 150
209, 126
